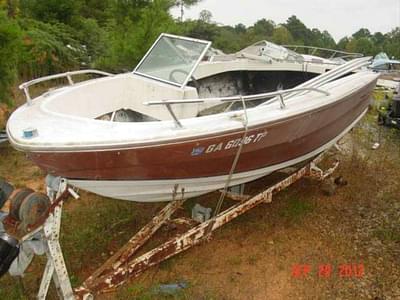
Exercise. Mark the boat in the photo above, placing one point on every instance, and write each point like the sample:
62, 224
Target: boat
383, 64
389, 70
188, 121
276, 54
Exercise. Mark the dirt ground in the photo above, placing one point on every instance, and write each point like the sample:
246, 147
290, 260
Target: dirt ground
304, 245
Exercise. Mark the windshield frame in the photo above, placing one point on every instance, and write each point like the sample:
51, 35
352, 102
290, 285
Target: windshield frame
190, 74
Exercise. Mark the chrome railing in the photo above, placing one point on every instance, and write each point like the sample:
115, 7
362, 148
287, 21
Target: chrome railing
277, 95
25, 86
342, 54
309, 86
334, 74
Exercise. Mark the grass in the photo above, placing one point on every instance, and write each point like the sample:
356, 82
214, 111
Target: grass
296, 209
234, 260
139, 291
387, 235
168, 264
90, 233
16, 293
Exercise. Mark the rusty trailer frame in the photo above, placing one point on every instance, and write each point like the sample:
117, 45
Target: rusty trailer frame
123, 266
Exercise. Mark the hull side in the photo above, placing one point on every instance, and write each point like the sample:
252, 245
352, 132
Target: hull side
266, 145
162, 190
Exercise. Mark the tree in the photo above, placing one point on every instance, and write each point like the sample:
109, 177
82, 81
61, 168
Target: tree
282, 36
378, 38
48, 48
240, 28
392, 43
94, 9
342, 44
300, 33
127, 9
328, 40
361, 45
205, 16
264, 27
183, 4
186, 3
127, 40
11, 6
201, 30
228, 40
50, 11
362, 33
322, 39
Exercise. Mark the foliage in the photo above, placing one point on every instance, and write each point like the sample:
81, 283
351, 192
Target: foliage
301, 34
127, 40
371, 44
282, 36
48, 48
264, 27
9, 51
50, 11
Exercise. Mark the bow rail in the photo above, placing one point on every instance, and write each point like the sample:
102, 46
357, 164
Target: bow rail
25, 86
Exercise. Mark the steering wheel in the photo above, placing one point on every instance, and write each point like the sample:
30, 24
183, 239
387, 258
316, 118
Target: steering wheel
172, 78
173, 72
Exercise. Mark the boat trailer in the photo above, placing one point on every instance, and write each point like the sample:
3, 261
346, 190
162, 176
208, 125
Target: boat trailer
123, 265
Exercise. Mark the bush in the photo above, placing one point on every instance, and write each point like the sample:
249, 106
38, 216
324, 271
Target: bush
48, 49
127, 40
10, 46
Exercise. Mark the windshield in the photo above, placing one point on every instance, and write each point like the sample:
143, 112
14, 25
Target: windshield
172, 59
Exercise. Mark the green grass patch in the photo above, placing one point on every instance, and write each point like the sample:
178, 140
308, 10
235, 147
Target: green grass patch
387, 235
138, 291
14, 293
93, 229
296, 209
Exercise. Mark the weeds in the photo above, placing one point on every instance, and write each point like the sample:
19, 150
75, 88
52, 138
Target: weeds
296, 209
387, 235
17, 293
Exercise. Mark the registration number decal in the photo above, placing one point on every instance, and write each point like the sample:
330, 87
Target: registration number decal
254, 138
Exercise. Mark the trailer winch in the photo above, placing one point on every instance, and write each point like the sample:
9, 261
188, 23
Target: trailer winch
21, 211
